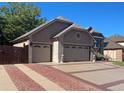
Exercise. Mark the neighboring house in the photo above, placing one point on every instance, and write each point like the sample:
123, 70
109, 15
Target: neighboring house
58, 40
114, 48
118, 39
99, 38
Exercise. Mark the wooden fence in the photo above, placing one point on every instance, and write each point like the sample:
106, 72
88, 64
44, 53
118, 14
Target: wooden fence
13, 55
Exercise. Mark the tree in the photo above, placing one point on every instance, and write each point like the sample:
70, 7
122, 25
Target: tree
19, 19
3, 40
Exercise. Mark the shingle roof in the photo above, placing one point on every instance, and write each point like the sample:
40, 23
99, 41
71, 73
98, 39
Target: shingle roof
73, 26
109, 44
27, 35
117, 38
70, 27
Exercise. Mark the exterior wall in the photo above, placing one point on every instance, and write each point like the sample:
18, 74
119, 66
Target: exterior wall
91, 54
119, 55
57, 52
72, 37
114, 55
60, 52
29, 52
22, 44
122, 43
86, 40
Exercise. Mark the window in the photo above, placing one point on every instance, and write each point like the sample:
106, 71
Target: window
85, 47
78, 35
80, 47
37, 46
73, 47
66, 46
45, 46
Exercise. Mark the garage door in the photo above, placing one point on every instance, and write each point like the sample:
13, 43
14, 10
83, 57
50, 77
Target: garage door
41, 53
76, 53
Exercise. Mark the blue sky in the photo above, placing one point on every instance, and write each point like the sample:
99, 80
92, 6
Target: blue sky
107, 18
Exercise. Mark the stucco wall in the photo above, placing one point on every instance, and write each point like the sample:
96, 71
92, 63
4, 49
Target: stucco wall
57, 52
21, 44
119, 55
115, 55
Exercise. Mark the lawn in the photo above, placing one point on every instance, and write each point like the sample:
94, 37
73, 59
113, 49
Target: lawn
118, 63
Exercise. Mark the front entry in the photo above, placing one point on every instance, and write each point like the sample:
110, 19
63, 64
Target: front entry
76, 53
41, 53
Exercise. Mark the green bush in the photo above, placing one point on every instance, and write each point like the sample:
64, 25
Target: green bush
99, 57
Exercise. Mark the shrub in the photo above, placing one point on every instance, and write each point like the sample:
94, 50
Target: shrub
99, 57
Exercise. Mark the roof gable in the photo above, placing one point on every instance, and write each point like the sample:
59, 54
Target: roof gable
73, 26
109, 44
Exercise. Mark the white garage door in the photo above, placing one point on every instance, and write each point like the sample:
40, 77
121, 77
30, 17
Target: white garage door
76, 53
41, 53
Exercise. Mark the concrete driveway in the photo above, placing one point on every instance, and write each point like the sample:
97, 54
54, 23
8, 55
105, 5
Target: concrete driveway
102, 74
39, 77
68, 76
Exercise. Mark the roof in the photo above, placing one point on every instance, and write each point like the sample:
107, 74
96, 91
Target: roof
59, 34
117, 38
26, 35
109, 44
73, 26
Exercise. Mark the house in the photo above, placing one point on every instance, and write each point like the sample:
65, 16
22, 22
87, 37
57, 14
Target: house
99, 38
58, 40
114, 48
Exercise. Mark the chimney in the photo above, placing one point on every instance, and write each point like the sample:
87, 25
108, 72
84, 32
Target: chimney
90, 29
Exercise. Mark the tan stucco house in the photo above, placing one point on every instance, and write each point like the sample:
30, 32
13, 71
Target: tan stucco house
114, 48
58, 40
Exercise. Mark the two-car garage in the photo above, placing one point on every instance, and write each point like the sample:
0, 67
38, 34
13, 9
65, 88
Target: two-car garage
76, 53
43, 53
